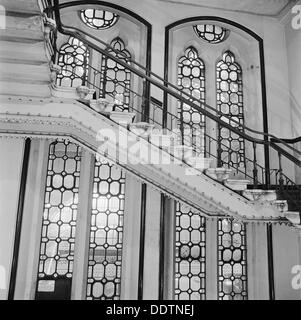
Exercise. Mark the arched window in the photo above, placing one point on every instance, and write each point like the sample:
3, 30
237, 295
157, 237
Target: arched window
231, 148
190, 267
211, 33
116, 80
73, 58
99, 19
232, 260
191, 79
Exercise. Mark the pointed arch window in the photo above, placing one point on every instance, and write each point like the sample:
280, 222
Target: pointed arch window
191, 79
73, 59
116, 79
231, 147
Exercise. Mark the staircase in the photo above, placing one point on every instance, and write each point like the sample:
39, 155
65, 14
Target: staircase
24, 67
191, 173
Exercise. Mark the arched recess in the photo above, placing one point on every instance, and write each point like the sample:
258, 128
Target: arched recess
143, 44
233, 26
119, 9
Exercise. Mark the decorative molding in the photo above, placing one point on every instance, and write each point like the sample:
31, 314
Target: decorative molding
61, 119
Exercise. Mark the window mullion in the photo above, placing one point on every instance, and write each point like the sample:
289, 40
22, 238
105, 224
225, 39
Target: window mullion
81, 252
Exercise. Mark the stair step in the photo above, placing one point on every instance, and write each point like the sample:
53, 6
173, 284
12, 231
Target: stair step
101, 105
199, 162
281, 205
34, 89
219, 174
24, 22
23, 52
28, 6
124, 118
293, 217
260, 195
236, 184
12, 71
142, 129
28, 36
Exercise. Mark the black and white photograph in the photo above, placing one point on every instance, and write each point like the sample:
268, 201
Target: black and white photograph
150, 153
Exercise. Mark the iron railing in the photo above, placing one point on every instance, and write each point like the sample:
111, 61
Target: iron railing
284, 157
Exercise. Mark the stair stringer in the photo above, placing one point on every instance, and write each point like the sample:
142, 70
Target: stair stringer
68, 119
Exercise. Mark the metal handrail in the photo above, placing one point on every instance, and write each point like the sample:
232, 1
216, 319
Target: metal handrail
166, 87
148, 77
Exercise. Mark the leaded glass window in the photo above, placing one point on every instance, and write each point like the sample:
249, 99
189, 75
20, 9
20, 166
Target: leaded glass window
211, 33
73, 59
191, 79
230, 103
190, 255
99, 19
232, 260
106, 233
59, 217
116, 80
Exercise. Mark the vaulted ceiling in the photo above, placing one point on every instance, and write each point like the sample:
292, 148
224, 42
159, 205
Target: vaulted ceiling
262, 7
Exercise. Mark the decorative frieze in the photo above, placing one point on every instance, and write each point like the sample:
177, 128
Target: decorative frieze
199, 162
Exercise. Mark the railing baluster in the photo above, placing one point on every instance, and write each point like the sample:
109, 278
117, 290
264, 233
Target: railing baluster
281, 180
182, 123
145, 116
255, 171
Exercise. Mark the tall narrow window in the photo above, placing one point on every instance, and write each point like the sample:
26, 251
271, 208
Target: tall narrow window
190, 255
232, 260
191, 79
231, 147
116, 80
105, 249
59, 222
73, 59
